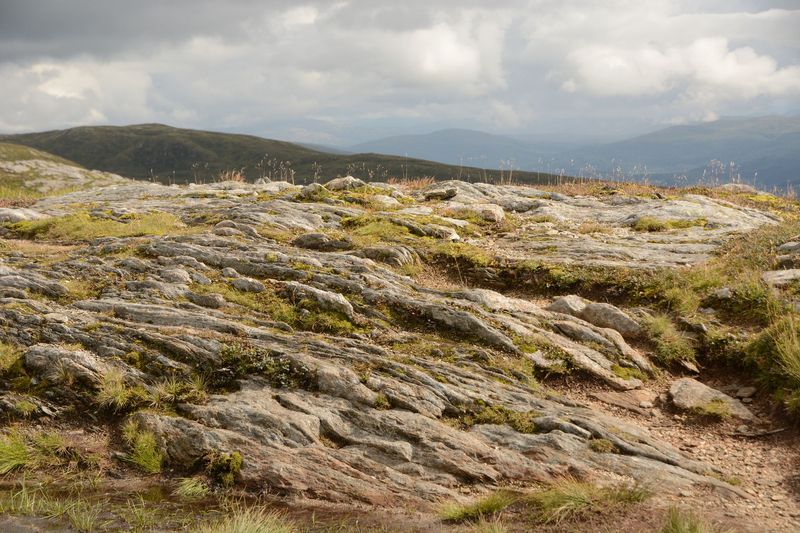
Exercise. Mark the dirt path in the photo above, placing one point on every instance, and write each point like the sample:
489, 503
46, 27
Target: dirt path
767, 467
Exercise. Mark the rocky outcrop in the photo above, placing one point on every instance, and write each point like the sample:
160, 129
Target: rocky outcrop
331, 370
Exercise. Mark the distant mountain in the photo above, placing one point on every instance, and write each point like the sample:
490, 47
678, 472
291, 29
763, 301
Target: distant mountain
764, 149
469, 148
167, 154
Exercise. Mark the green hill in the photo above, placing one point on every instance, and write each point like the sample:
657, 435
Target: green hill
173, 155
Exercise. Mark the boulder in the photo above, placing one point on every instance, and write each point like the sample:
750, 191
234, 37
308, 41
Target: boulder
248, 285
610, 316
344, 184
691, 395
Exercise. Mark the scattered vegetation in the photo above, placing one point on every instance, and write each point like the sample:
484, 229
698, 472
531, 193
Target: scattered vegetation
9, 355
303, 314
83, 226
483, 508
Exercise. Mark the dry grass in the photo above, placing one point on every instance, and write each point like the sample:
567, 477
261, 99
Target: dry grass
412, 184
231, 175
483, 508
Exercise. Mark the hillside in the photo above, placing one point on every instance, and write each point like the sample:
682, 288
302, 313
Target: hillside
27, 173
764, 149
172, 155
769, 146
467, 147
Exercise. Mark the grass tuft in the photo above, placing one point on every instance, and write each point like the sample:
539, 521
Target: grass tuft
570, 499
249, 520
191, 489
670, 344
679, 521
144, 453
483, 508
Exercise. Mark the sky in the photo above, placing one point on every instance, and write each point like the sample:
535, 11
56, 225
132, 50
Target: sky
342, 72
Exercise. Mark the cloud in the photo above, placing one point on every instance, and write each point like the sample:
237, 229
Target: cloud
345, 70
706, 71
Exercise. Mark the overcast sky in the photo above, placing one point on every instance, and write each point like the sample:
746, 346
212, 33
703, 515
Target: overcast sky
341, 72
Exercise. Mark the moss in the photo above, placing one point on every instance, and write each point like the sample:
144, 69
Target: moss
82, 226
626, 372
464, 252
716, 409
225, 468
522, 422
602, 446
652, 224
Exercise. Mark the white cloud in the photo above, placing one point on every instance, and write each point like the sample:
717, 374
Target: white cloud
706, 71
372, 64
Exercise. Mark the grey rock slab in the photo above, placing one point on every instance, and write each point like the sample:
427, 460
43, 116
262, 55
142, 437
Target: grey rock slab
781, 278
247, 284
690, 394
610, 316
344, 183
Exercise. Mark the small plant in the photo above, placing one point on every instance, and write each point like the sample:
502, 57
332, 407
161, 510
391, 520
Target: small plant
9, 355
670, 344
112, 390
14, 453
231, 175
84, 517
249, 520
382, 402
191, 489
144, 453
679, 521
483, 508
570, 499
602, 446
225, 467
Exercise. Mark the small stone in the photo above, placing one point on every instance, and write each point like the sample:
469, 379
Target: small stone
228, 272
745, 392
777, 497
248, 285
723, 294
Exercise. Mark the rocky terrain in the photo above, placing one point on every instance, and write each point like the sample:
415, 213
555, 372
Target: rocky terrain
379, 349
